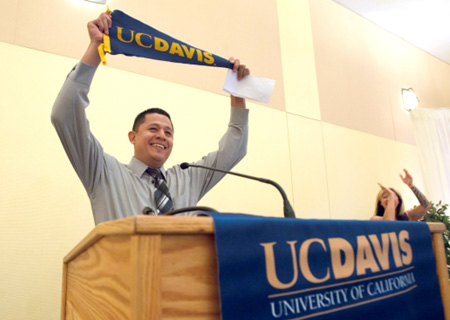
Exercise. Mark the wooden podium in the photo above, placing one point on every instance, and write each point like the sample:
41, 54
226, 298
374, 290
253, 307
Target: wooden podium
147, 267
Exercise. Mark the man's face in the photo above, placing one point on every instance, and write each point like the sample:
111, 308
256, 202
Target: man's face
153, 141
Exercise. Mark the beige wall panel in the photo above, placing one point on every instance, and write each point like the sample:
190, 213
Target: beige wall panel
267, 157
396, 64
439, 82
361, 69
8, 17
309, 178
219, 28
411, 67
60, 27
352, 87
299, 72
356, 162
44, 210
54, 26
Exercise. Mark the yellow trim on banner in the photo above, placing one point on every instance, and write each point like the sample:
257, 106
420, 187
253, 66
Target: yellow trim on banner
101, 53
104, 47
106, 43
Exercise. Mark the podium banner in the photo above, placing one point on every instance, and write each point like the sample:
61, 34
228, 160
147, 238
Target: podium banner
281, 268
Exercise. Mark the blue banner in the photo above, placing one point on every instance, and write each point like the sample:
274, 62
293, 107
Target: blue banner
131, 37
278, 268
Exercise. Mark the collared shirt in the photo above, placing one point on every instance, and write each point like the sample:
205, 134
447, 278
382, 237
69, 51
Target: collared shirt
117, 190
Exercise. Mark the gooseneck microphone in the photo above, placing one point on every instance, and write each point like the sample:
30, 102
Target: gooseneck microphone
189, 209
288, 211
150, 211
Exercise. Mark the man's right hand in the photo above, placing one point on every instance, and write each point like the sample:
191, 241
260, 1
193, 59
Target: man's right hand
96, 29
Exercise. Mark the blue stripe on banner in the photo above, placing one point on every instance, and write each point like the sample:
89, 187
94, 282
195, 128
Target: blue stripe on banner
276, 268
131, 37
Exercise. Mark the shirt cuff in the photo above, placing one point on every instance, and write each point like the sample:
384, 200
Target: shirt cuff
239, 115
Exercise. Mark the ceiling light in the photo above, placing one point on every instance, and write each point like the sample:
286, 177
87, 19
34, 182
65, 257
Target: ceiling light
98, 1
410, 100
90, 4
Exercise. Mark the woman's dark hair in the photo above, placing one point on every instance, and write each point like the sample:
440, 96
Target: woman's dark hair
399, 210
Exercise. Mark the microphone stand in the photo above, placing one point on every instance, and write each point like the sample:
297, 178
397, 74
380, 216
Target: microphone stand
287, 208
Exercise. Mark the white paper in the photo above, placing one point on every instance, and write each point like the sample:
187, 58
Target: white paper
250, 87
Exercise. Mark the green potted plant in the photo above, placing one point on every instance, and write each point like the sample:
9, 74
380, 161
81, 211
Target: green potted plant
436, 213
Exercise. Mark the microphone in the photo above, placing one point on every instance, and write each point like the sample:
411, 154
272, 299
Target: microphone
148, 211
188, 209
288, 211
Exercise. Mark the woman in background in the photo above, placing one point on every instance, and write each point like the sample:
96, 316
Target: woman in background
389, 203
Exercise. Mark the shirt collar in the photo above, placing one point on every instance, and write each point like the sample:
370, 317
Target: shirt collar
138, 167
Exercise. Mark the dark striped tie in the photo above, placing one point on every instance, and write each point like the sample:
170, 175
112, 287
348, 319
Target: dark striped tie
162, 195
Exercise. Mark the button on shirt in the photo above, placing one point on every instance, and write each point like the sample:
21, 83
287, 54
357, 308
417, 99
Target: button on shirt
117, 190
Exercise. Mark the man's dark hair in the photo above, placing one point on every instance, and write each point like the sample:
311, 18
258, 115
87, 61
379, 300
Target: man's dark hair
140, 118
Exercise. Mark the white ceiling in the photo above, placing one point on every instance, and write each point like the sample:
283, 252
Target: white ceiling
424, 23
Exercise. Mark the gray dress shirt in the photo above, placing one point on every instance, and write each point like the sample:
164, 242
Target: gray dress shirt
117, 190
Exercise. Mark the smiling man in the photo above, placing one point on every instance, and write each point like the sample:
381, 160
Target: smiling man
118, 190
152, 136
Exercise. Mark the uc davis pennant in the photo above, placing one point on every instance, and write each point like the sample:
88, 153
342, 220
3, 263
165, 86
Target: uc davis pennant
293, 269
131, 37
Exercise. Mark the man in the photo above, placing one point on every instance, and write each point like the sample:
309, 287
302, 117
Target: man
117, 190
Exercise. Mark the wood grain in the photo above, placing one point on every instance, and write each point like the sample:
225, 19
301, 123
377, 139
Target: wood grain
189, 272
442, 271
146, 281
98, 281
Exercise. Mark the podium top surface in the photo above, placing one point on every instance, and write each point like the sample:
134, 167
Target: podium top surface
143, 224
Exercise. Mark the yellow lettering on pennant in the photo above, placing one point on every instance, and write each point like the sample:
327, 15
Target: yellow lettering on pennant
139, 42
209, 59
189, 52
161, 44
119, 35
176, 49
199, 55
